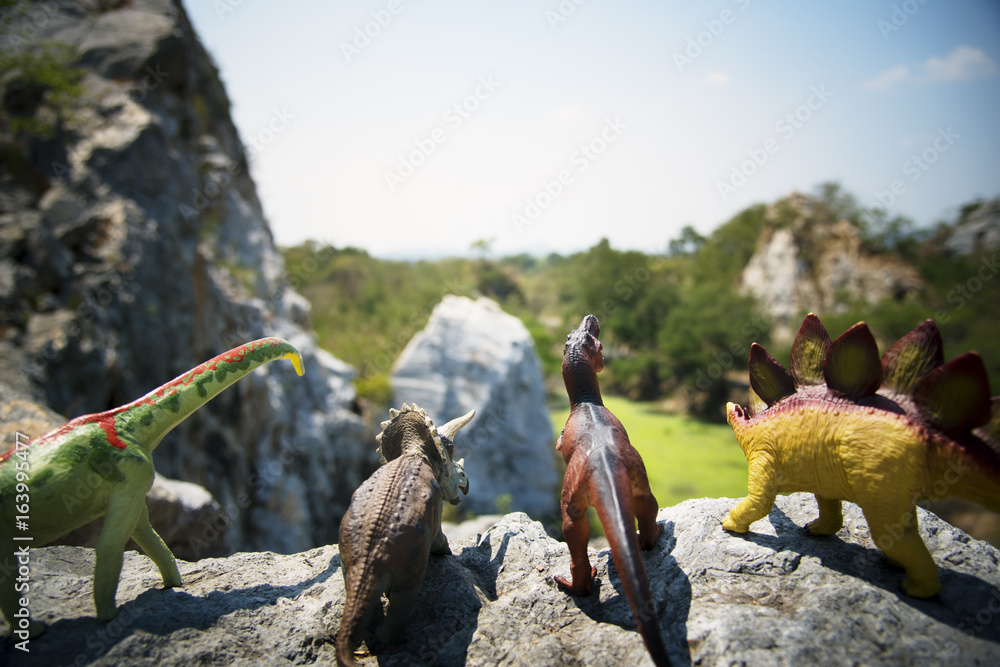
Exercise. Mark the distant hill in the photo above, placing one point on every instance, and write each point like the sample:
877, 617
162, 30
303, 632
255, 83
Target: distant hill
678, 326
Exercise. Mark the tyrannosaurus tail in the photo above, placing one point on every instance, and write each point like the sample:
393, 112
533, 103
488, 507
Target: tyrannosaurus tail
151, 417
613, 502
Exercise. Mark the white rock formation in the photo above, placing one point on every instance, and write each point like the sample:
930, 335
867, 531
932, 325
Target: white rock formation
472, 355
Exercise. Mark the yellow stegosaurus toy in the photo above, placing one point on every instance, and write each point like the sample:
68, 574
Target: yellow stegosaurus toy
884, 434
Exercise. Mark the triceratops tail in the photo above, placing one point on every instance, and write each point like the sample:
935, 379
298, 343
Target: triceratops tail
363, 589
151, 417
614, 509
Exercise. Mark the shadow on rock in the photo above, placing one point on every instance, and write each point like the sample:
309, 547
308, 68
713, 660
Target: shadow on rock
670, 590
963, 596
157, 611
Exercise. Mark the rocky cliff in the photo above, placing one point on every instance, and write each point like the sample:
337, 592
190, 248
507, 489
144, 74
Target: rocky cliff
978, 231
473, 356
805, 261
775, 596
134, 247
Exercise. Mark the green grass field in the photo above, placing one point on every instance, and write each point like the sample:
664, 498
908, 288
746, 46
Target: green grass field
684, 458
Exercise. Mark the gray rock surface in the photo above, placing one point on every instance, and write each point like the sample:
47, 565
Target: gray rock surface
134, 248
775, 596
978, 232
805, 262
472, 355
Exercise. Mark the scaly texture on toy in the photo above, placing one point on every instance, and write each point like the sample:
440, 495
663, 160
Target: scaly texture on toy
604, 471
108, 456
846, 425
393, 523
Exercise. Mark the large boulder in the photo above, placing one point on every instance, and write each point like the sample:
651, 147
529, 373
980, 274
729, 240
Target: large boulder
134, 247
775, 596
472, 355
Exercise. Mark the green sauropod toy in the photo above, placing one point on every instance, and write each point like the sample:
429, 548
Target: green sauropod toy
112, 452
882, 433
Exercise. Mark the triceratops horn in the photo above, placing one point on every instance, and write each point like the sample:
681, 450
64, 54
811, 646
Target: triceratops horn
450, 429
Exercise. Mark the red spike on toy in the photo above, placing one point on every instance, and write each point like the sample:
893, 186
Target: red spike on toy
808, 352
911, 357
852, 367
955, 397
768, 378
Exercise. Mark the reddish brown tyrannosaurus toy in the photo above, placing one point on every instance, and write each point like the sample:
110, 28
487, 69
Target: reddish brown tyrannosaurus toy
604, 471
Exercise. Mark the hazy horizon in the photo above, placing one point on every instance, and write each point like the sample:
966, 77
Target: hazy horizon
412, 130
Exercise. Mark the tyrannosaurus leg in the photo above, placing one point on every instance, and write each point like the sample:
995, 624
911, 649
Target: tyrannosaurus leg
646, 509
576, 532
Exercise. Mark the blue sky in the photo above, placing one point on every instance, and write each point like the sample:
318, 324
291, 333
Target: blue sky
544, 126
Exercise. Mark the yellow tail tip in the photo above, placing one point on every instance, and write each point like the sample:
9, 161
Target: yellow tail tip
296, 360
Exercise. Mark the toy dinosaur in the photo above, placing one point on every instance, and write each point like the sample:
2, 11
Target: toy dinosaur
393, 523
604, 471
883, 434
109, 453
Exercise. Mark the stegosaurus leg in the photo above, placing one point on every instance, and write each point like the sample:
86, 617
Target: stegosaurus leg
831, 517
761, 491
153, 546
895, 532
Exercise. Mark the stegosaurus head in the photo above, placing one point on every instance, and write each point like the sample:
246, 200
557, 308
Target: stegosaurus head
410, 429
911, 377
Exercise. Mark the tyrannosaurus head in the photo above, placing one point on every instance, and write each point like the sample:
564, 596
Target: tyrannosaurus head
582, 344
410, 429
